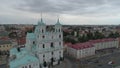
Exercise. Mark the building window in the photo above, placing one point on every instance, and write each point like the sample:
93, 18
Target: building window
33, 42
51, 44
25, 66
43, 36
29, 66
42, 30
59, 43
52, 37
59, 36
52, 53
43, 45
59, 30
43, 56
60, 53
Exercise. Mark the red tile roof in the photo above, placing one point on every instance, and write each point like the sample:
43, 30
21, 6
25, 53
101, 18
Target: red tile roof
21, 41
102, 40
81, 45
90, 43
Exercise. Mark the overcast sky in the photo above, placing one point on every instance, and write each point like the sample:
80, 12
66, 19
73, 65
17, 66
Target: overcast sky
69, 11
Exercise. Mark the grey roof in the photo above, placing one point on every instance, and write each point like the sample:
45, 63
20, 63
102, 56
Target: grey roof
3, 33
5, 42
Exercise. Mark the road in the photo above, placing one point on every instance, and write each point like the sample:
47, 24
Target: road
101, 61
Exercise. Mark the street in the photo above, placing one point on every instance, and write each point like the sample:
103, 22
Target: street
99, 61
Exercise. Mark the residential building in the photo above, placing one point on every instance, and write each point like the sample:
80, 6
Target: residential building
5, 46
105, 43
80, 50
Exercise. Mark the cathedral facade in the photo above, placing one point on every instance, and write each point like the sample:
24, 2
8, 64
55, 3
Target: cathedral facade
43, 48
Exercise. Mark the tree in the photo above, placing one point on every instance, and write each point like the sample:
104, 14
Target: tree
98, 35
114, 35
65, 33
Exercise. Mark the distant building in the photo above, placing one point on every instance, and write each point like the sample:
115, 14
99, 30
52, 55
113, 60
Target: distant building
21, 41
65, 45
80, 50
2, 28
5, 46
105, 43
4, 34
42, 49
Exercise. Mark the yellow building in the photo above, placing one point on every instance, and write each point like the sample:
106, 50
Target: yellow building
5, 46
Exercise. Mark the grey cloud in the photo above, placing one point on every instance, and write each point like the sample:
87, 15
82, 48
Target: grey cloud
69, 6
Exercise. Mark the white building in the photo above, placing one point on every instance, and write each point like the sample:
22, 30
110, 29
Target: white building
81, 50
2, 28
43, 48
105, 43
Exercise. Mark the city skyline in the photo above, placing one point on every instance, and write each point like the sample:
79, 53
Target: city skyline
70, 12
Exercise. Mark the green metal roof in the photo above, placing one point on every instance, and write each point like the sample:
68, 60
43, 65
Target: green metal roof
26, 59
41, 22
22, 58
13, 51
58, 22
30, 35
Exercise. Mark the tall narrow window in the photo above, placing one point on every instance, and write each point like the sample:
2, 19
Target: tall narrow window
52, 53
43, 45
25, 66
52, 37
59, 30
60, 52
59, 36
42, 30
33, 42
29, 66
51, 44
59, 43
43, 36
43, 55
